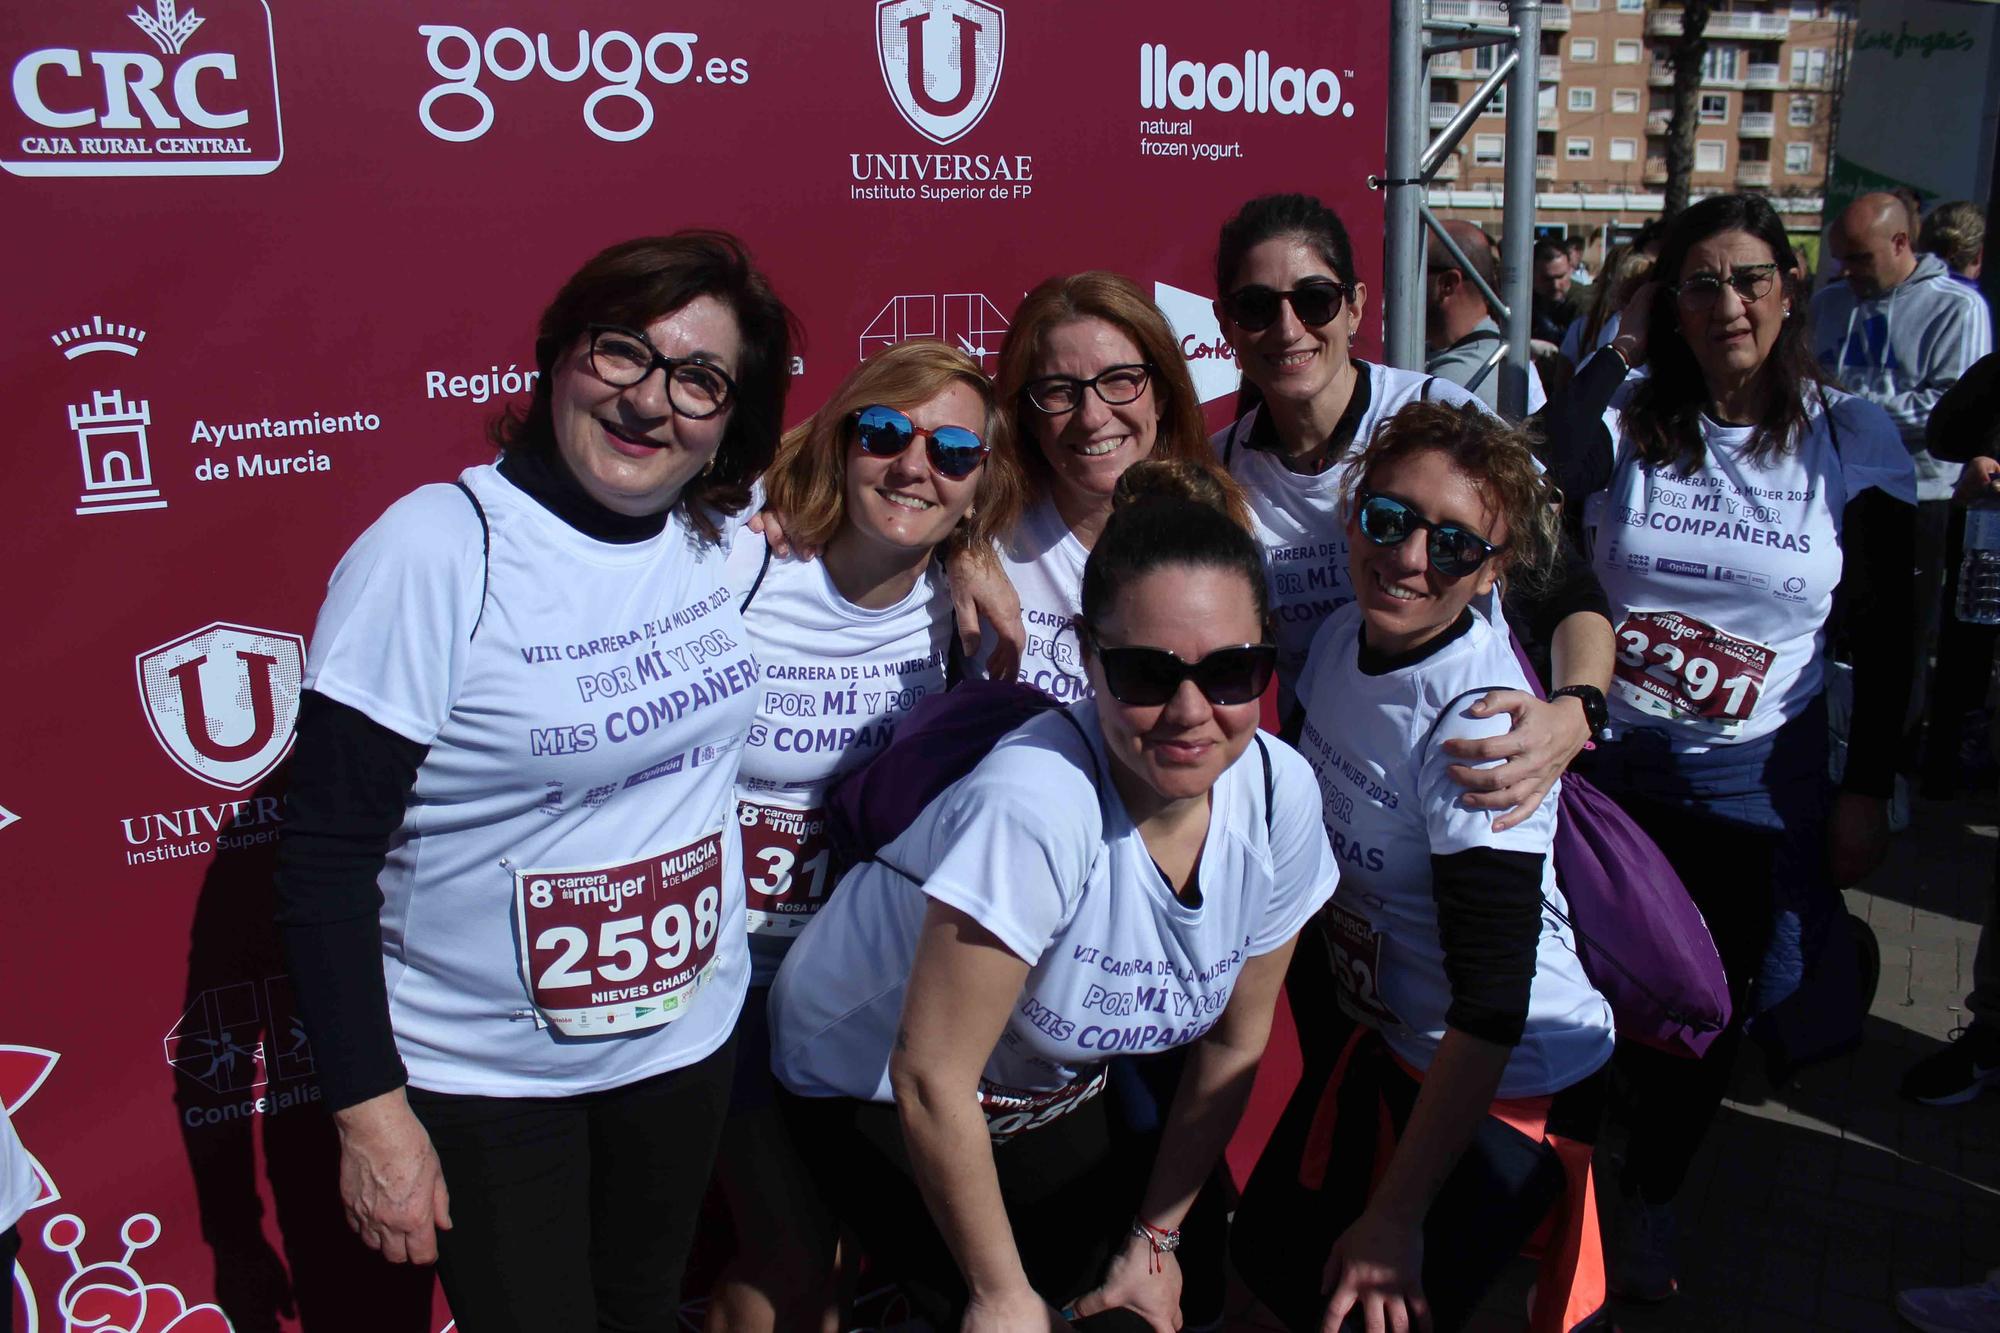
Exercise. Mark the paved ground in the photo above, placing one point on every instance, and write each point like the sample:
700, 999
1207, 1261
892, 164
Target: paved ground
1813, 1203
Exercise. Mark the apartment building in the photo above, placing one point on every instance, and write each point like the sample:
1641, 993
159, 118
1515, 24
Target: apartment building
1768, 87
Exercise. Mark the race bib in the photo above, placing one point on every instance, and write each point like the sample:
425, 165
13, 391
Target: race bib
1682, 669
786, 866
1010, 1112
616, 948
1355, 949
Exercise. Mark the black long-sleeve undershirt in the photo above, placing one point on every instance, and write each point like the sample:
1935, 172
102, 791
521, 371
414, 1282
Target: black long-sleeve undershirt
351, 779
1489, 911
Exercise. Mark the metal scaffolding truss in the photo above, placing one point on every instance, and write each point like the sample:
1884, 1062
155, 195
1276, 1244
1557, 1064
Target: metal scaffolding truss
1414, 37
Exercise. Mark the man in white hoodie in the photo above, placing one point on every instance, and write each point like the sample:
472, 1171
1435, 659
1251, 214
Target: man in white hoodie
1896, 330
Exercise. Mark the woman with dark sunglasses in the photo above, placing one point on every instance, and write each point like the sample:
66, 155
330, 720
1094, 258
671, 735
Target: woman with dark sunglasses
1731, 497
511, 905
1477, 1037
1125, 876
1092, 380
893, 465
1290, 305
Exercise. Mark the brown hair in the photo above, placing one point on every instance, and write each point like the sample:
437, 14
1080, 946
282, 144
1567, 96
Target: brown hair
1955, 233
1626, 270
1499, 457
808, 482
1170, 513
633, 284
1117, 300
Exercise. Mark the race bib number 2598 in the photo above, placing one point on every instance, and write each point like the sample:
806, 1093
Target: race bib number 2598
1677, 667
617, 948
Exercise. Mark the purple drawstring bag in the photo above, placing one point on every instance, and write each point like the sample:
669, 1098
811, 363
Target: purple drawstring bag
1640, 937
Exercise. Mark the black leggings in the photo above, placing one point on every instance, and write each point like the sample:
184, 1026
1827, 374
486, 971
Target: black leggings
10, 1245
575, 1214
1071, 1190
1489, 1207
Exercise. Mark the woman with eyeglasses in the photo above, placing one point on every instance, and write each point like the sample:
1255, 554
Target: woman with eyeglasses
1124, 876
894, 465
510, 887
1738, 500
1478, 1038
1091, 380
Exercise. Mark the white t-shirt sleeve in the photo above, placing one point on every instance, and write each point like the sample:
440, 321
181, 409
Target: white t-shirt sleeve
1872, 451
1023, 830
19, 1186
1303, 869
1450, 826
392, 635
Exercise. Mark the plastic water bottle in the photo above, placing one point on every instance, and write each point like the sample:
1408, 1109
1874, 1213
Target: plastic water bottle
1979, 574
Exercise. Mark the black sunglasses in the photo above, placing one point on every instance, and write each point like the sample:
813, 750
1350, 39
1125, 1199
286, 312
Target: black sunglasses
1254, 309
1149, 677
1454, 551
883, 432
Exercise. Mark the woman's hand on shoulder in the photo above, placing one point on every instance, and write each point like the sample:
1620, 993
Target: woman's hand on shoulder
1544, 737
391, 1184
771, 524
1147, 1284
1377, 1268
981, 593
1012, 1312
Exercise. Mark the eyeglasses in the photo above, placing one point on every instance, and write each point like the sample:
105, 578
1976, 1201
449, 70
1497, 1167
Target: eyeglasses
1454, 551
623, 358
1116, 386
883, 432
1150, 677
1752, 282
1254, 309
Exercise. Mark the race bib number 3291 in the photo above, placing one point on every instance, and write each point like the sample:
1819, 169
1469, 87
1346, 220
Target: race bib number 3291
1676, 667
616, 948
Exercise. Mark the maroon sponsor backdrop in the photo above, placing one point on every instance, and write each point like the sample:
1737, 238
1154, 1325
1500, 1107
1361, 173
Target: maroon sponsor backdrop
269, 267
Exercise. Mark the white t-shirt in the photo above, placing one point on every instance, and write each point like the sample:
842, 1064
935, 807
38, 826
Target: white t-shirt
1389, 806
578, 794
1298, 518
19, 1186
1721, 581
1044, 561
1038, 849
835, 678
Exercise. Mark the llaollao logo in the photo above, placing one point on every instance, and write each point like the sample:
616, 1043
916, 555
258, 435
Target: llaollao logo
108, 89
941, 60
222, 700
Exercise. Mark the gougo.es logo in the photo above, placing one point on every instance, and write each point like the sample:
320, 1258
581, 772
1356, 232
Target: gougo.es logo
623, 65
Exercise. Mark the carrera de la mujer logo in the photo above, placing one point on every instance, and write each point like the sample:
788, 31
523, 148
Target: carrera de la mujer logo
941, 60
112, 89
222, 700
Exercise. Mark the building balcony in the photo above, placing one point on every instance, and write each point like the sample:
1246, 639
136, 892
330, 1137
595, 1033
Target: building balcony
1442, 112
1555, 18
1547, 118
1723, 24
1545, 166
1446, 62
1655, 172
1661, 75
1551, 69
1470, 11
1657, 121
1768, 77
1447, 169
1757, 124
1754, 174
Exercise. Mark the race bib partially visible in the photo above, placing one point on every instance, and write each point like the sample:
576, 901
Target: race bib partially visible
1355, 948
1010, 1112
1682, 669
617, 948
787, 869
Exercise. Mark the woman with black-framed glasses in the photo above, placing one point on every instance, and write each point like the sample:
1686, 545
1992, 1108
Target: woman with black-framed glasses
1123, 877
510, 882
1729, 497
1475, 1034
890, 468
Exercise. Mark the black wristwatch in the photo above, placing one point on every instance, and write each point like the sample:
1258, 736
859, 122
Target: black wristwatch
1595, 713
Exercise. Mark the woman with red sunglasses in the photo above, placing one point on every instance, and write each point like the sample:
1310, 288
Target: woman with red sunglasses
1122, 877
892, 467
1476, 1037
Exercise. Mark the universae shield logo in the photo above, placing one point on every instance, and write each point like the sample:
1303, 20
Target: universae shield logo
222, 700
941, 60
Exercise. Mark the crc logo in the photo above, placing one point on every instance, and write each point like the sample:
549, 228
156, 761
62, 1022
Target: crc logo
169, 93
222, 700
941, 60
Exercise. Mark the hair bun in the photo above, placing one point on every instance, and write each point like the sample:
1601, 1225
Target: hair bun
1163, 479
